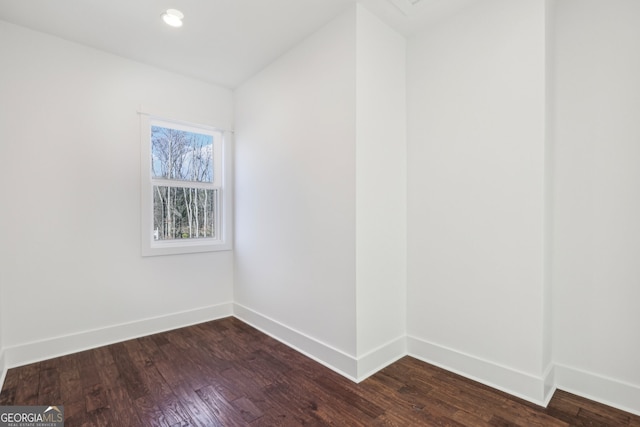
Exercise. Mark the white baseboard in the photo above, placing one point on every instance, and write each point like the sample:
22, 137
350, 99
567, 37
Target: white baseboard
514, 382
26, 353
538, 390
608, 391
334, 359
550, 386
381, 357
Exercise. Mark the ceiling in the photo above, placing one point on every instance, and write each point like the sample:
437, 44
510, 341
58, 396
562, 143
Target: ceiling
222, 41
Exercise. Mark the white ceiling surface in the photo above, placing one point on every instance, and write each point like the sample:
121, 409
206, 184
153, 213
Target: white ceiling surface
222, 41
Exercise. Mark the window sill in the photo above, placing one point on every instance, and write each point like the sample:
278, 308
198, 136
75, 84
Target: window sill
182, 247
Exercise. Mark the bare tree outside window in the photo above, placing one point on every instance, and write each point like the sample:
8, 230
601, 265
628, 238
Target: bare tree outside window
184, 208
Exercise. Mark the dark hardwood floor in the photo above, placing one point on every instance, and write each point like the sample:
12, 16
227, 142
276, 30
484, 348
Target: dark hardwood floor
225, 373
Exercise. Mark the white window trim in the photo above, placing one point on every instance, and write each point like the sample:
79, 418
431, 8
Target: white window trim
224, 215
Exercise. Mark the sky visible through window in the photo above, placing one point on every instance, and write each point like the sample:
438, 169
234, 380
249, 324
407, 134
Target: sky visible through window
181, 155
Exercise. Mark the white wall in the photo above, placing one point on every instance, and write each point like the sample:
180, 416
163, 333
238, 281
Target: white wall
321, 196
596, 274
476, 203
295, 196
381, 213
314, 131
72, 272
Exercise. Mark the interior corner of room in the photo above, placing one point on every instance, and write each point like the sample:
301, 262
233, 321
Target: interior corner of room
466, 193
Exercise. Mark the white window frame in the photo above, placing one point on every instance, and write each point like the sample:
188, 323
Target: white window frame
223, 184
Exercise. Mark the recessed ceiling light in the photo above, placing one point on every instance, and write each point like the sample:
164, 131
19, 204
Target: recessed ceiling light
173, 17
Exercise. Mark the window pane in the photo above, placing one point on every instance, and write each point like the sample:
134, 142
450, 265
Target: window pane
181, 155
183, 213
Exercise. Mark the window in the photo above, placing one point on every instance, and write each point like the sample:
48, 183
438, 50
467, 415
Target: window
186, 198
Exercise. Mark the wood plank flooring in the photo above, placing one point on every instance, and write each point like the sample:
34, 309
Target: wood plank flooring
225, 373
